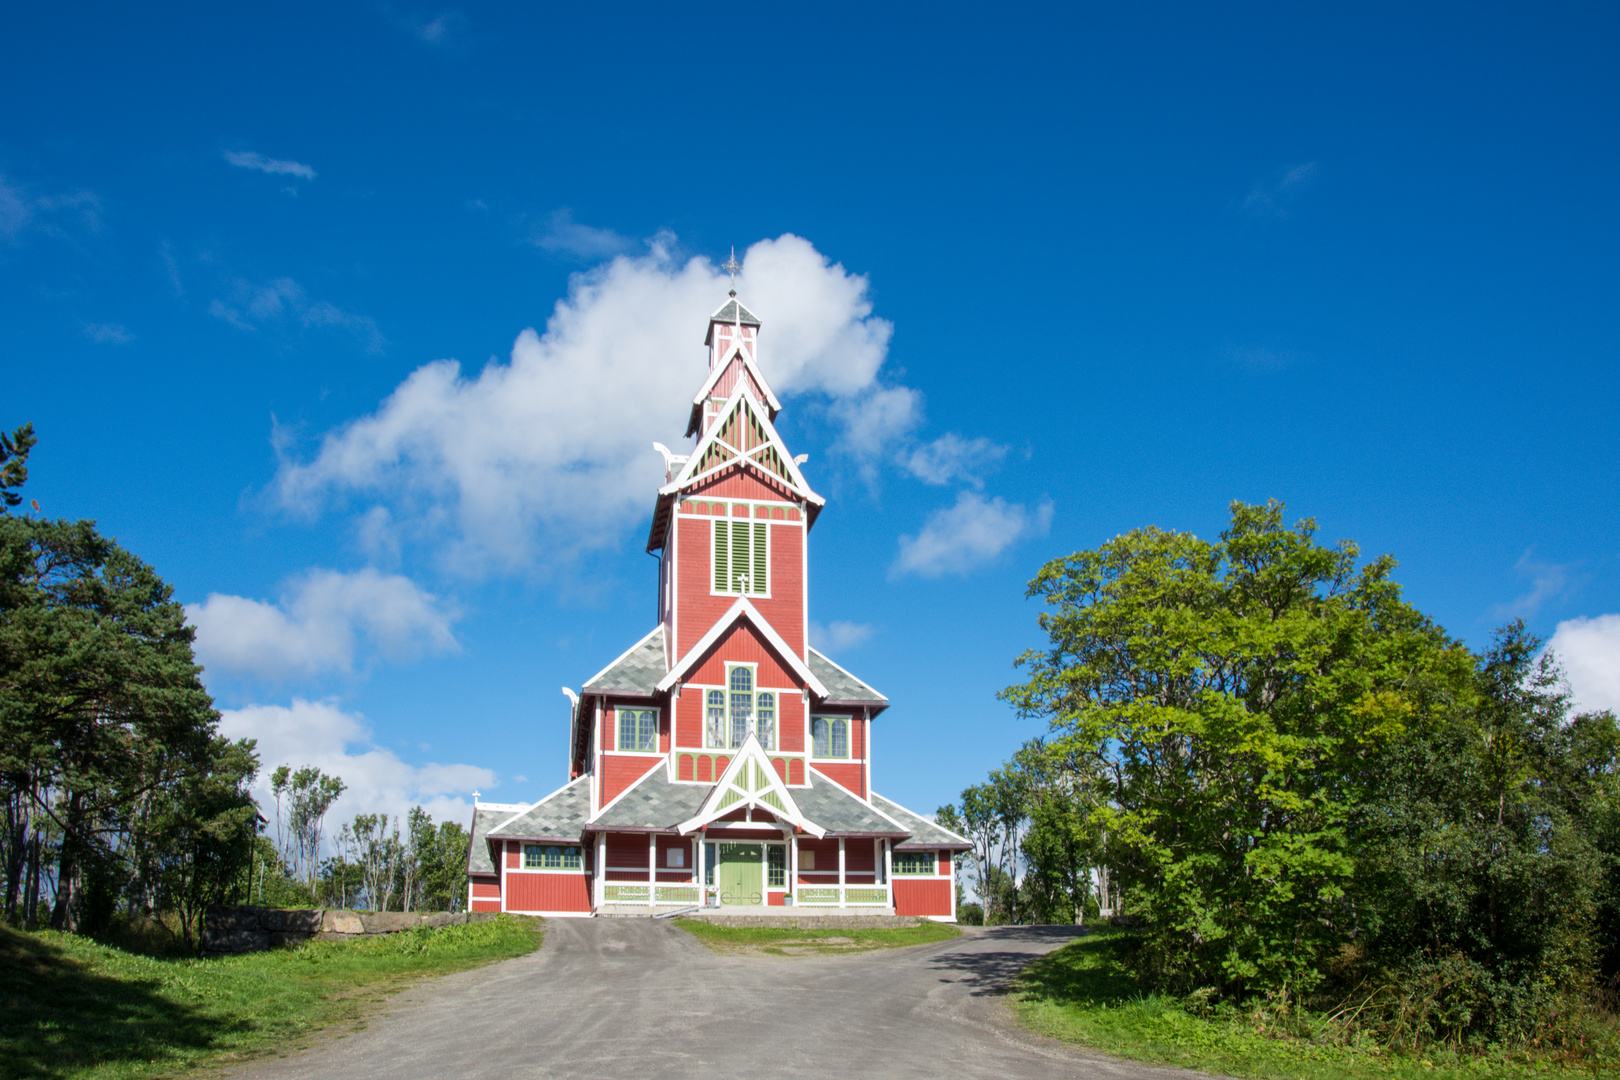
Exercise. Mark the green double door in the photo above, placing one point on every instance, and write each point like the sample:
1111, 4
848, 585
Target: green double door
739, 873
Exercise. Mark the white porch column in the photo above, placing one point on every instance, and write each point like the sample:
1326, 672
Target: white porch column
793, 863
652, 867
601, 868
888, 871
840, 871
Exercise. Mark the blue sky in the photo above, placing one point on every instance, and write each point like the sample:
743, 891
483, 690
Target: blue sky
1032, 277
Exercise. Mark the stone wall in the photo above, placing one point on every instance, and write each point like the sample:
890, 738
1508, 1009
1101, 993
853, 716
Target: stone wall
228, 930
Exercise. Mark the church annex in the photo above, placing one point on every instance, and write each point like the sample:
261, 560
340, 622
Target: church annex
720, 761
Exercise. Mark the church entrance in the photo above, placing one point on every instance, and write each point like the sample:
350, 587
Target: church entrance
739, 873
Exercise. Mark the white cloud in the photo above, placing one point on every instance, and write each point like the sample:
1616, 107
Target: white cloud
951, 457
248, 306
340, 744
108, 334
247, 159
1547, 581
322, 623
1271, 198
838, 635
969, 534
21, 211
564, 235
549, 453
1589, 650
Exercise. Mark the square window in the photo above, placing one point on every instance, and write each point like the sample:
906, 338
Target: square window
807, 860
676, 857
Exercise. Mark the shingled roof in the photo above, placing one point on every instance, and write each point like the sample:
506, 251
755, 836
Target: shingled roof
559, 816
653, 802
842, 687
734, 312
485, 818
837, 810
924, 833
636, 672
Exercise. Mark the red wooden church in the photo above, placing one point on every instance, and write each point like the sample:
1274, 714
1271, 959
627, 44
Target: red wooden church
720, 761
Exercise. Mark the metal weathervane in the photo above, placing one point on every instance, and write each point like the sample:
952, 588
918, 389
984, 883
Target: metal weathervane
731, 266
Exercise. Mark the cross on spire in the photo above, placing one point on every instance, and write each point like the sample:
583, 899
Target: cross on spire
731, 266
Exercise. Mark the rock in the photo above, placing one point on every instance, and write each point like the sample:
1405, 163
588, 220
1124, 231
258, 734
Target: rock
236, 941
281, 939
346, 923
225, 920
389, 922
291, 922
440, 918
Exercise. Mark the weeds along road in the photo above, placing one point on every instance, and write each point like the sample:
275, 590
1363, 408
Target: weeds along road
640, 999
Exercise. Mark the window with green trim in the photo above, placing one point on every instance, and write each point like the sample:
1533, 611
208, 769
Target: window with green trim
829, 736
539, 857
717, 719
638, 730
742, 556
914, 862
765, 720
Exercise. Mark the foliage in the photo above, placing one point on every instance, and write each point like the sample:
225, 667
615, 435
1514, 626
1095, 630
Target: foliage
75, 1008
1227, 696
1085, 993
14, 450
308, 794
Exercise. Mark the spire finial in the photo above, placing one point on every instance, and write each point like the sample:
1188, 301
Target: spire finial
731, 266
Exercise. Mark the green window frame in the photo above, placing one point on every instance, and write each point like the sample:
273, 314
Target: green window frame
829, 736
550, 857
638, 730
742, 559
765, 720
716, 728
741, 681
915, 862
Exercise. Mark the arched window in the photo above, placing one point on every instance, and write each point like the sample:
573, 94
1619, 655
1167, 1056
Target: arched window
742, 704
717, 718
765, 720
829, 737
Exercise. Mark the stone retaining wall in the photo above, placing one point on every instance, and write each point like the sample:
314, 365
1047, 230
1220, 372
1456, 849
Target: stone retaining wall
813, 922
228, 930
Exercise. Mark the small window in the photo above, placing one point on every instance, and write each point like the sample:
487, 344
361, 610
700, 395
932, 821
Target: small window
807, 860
741, 556
638, 730
829, 737
676, 857
914, 862
765, 721
538, 857
775, 866
717, 718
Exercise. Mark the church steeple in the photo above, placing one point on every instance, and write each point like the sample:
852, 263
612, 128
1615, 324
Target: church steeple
733, 342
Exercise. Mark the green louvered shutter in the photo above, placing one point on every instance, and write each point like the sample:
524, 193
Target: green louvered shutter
722, 561
739, 555
759, 581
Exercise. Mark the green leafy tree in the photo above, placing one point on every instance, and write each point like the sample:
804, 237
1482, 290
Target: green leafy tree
1227, 696
14, 449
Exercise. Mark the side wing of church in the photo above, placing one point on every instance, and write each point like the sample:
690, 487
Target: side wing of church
720, 761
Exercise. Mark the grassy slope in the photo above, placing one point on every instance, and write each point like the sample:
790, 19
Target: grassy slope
72, 1008
1081, 994
836, 939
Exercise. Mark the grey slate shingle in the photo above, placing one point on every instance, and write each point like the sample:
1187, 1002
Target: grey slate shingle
638, 671
483, 821
559, 816
837, 811
841, 686
654, 803
924, 833
728, 313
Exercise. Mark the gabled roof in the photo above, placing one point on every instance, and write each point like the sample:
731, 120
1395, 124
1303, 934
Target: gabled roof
559, 816
742, 608
485, 817
750, 781
728, 456
839, 810
653, 802
842, 687
924, 833
715, 374
636, 671
731, 311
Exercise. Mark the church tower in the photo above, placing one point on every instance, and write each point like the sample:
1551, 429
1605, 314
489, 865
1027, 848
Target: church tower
721, 761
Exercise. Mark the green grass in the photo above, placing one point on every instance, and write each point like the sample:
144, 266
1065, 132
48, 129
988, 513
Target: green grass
70, 1007
815, 938
1082, 994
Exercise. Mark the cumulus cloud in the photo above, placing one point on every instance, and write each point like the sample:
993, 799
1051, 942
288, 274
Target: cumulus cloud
249, 305
951, 458
968, 534
247, 159
1271, 198
547, 454
1589, 650
340, 744
323, 622
838, 635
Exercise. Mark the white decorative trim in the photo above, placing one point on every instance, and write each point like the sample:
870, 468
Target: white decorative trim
736, 611
741, 395
750, 751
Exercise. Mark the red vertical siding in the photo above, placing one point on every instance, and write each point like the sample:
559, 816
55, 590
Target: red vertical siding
548, 892
945, 862
627, 850
923, 896
618, 773
514, 852
742, 644
852, 777
857, 738
699, 610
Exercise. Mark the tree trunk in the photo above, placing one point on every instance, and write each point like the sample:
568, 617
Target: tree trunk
68, 869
